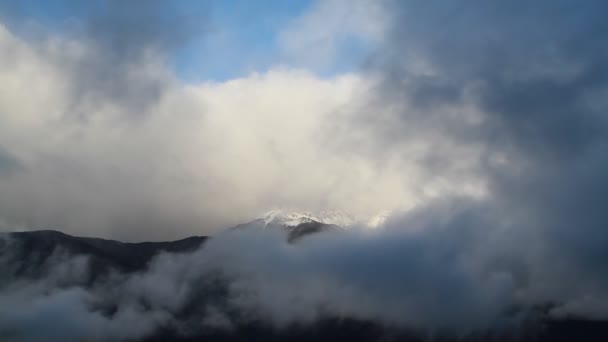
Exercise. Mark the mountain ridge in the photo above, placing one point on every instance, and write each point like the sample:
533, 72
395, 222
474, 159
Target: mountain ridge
34, 247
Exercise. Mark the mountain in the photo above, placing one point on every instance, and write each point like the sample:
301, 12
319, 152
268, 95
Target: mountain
297, 224
29, 254
26, 255
292, 218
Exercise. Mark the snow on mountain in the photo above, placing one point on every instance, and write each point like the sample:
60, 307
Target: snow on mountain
292, 218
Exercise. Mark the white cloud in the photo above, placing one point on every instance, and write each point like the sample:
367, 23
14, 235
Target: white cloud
322, 35
192, 160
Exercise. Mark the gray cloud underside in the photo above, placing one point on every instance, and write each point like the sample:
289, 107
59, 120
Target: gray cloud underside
536, 77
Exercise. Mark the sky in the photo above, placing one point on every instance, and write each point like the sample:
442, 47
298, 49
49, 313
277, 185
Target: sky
176, 118
480, 126
125, 116
231, 38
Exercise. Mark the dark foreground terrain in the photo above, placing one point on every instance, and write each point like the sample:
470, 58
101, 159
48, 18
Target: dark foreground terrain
25, 256
354, 331
30, 251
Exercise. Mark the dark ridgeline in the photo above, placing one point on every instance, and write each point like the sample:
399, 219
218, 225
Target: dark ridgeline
30, 252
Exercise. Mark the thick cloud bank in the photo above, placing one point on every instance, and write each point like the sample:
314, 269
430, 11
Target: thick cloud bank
99, 138
517, 91
407, 279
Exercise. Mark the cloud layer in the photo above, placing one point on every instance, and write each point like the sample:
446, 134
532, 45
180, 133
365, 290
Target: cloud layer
100, 138
523, 96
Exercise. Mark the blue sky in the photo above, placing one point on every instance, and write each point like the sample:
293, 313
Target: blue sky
242, 38
237, 37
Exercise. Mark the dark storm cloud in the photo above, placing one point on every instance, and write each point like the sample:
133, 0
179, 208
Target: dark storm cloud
536, 75
537, 69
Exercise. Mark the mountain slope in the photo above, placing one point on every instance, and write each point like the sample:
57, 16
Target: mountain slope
28, 253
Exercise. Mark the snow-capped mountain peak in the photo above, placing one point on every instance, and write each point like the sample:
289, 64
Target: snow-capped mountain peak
292, 218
